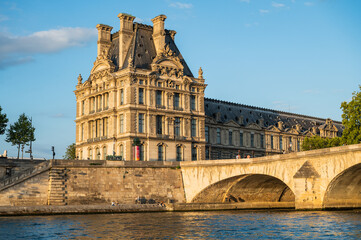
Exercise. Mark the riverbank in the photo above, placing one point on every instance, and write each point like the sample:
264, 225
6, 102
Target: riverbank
133, 208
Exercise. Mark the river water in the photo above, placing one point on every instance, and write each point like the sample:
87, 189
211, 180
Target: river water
187, 225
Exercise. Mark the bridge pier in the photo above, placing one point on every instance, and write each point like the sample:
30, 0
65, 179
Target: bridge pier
307, 188
308, 194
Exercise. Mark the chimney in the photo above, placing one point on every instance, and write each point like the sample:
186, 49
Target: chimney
103, 39
125, 35
159, 33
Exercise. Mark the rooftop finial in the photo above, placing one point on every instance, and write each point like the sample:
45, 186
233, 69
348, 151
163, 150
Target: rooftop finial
80, 79
200, 73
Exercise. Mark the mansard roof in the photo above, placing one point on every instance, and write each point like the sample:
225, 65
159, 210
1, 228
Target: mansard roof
244, 115
142, 50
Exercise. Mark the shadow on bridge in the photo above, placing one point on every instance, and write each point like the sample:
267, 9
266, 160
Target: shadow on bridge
246, 188
344, 191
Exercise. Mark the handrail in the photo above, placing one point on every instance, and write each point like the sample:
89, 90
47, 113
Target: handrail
24, 174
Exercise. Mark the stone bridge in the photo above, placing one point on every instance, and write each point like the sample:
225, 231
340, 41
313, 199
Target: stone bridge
320, 179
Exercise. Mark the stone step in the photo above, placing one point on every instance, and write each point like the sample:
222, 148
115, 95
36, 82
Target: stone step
58, 204
57, 188
57, 178
57, 184
57, 194
58, 171
56, 199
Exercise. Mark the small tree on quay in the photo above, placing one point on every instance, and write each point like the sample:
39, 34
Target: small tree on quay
70, 152
20, 133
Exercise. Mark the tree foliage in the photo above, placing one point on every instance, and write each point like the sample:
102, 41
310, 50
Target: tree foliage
3, 122
351, 119
317, 142
70, 152
21, 132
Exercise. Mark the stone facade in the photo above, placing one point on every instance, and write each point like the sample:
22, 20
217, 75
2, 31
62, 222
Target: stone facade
236, 128
142, 102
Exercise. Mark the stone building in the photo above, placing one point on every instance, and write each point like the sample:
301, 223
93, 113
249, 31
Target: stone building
235, 128
142, 102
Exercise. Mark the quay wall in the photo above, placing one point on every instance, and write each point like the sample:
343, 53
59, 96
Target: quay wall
79, 182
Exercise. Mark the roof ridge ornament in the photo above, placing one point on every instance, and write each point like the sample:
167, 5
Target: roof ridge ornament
200, 73
80, 79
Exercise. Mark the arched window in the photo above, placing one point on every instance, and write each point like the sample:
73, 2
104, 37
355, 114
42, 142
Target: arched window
90, 154
141, 152
160, 152
97, 154
121, 152
104, 153
179, 156
194, 153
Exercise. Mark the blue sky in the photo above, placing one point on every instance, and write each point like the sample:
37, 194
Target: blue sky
302, 56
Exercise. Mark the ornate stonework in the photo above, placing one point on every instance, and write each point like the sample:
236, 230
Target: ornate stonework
142, 102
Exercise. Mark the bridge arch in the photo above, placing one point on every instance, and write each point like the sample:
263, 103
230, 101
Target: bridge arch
246, 188
344, 191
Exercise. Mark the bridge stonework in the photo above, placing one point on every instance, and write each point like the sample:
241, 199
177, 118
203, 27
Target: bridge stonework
319, 179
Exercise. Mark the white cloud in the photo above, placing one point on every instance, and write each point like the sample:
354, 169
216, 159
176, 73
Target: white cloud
181, 5
309, 4
46, 41
278, 5
246, 1
138, 20
263, 11
15, 50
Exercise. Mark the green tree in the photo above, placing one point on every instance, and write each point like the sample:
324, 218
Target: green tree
351, 119
317, 142
21, 132
3, 122
70, 152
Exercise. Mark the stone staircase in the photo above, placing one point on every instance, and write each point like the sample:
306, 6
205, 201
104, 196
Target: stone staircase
57, 186
24, 175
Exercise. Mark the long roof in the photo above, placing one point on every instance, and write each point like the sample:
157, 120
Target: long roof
229, 111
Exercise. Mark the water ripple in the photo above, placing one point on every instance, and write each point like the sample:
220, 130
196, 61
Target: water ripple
187, 225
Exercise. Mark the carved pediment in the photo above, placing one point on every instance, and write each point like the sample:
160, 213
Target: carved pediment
292, 130
231, 123
253, 126
187, 80
211, 120
273, 128
101, 65
308, 133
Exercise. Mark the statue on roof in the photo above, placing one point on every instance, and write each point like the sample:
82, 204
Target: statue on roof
80, 79
200, 73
